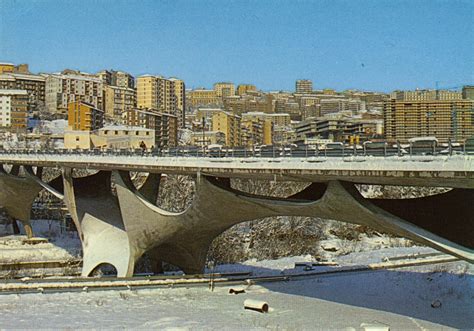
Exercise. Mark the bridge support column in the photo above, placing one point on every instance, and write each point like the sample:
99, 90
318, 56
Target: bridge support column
17, 195
96, 213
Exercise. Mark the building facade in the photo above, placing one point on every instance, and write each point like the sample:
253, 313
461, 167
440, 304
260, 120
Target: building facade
229, 124
164, 125
468, 92
443, 119
304, 86
203, 97
117, 101
72, 86
426, 95
244, 89
224, 89
33, 84
83, 116
14, 109
164, 95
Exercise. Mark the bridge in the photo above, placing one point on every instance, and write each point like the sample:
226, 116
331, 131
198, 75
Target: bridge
119, 223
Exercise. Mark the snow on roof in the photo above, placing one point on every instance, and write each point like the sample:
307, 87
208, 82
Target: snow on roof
124, 128
13, 76
13, 92
6, 64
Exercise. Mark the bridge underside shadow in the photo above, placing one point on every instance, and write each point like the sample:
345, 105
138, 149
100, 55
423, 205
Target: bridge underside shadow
117, 226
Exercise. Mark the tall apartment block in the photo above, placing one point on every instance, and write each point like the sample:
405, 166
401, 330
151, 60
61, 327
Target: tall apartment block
443, 119
180, 94
117, 101
117, 78
165, 125
71, 86
83, 116
224, 89
34, 85
304, 86
229, 124
14, 109
155, 92
426, 95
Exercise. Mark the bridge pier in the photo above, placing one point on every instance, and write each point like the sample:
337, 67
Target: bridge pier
17, 195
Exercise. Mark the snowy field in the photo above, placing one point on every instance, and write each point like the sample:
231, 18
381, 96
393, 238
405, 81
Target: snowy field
401, 299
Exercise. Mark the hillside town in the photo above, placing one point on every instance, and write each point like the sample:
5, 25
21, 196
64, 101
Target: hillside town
112, 109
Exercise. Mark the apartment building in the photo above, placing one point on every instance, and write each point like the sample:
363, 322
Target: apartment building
34, 85
164, 125
335, 105
304, 86
161, 94
117, 101
224, 89
444, 119
180, 93
117, 78
252, 133
83, 116
14, 109
206, 138
426, 95
244, 89
72, 86
203, 97
229, 124
468, 92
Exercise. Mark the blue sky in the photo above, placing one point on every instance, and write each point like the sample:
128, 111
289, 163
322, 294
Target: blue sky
376, 45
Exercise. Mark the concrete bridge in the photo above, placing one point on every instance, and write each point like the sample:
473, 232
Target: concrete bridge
118, 226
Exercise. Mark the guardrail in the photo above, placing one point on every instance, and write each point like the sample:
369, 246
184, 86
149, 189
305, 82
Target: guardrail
330, 150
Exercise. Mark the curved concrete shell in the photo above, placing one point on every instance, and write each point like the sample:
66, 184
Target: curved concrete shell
119, 228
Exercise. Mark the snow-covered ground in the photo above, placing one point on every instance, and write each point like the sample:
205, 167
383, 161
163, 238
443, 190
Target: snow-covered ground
401, 299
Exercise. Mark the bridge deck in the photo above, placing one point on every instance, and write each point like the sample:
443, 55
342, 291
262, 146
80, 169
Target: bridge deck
415, 170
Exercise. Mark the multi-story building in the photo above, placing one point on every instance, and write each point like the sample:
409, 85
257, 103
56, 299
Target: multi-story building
71, 86
180, 93
304, 86
203, 97
15, 69
83, 116
243, 89
118, 100
224, 89
6, 67
113, 136
252, 132
426, 95
249, 103
33, 84
443, 119
163, 95
117, 78
14, 109
335, 105
165, 125
468, 92
229, 124
206, 138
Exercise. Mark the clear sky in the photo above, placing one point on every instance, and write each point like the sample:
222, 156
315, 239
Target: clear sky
374, 44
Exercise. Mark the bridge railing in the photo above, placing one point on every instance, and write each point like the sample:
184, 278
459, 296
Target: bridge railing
305, 151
